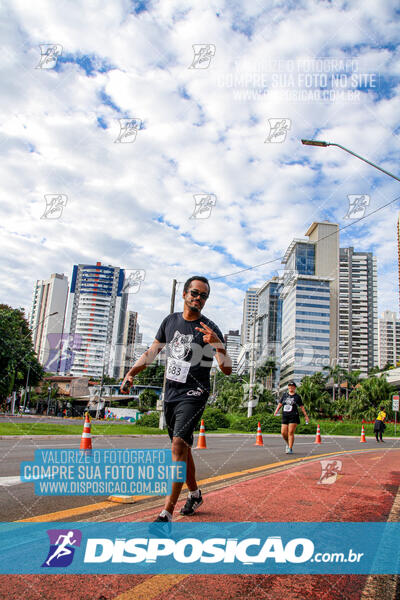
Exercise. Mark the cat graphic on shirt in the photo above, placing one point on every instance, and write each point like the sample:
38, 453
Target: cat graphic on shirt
179, 346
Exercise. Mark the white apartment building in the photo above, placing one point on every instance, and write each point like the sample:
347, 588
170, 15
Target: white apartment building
358, 311
127, 353
49, 296
96, 319
232, 341
388, 339
250, 304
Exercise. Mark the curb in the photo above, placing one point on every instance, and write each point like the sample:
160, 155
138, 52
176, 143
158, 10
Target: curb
152, 435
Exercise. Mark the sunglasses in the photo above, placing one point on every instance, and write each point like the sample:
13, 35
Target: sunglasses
195, 294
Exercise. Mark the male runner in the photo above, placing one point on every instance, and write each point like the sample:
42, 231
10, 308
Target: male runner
191, 339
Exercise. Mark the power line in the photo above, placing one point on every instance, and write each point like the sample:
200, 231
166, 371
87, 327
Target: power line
268, 262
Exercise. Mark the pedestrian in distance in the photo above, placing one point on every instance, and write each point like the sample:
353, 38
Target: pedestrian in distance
290, 404
191, 341
379, 425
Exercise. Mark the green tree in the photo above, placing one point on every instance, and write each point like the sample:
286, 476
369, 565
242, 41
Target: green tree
109, 380
152, 375
365, 400
147, 399
266, 372
317, 400
229, 392
16, 352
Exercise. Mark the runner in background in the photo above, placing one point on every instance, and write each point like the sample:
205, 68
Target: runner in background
379, 425
290, 403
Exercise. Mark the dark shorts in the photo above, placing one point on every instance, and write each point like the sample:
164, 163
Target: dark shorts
379, 426
288, 418
182, 419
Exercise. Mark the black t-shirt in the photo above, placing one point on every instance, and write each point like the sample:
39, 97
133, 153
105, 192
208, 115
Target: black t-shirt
189, 359
290, 404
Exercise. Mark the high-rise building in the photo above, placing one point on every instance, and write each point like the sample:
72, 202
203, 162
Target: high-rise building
388, 339
269, 317
244, 359
398, 252
305, 327
49, 296
358, 311
326, 239
128, 343
96, 319
309, 293
232, 341
249, 311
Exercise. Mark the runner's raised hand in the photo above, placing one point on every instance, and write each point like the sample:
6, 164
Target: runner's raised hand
209, 336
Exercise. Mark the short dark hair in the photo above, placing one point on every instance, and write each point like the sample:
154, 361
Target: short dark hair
382, 408
198, 278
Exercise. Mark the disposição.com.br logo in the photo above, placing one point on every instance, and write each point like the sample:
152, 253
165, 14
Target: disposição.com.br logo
62, 547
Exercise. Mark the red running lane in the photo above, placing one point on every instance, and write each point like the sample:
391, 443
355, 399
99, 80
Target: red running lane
364, 491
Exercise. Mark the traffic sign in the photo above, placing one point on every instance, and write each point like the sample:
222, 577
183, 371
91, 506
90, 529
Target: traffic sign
395, 403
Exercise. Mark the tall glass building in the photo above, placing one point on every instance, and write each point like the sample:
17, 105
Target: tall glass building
305, 327
269, 317
309, 293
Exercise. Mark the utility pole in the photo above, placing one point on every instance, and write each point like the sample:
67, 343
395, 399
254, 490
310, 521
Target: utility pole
101, 389
161, 423
252, 369
29, 366
214, 383
26, 387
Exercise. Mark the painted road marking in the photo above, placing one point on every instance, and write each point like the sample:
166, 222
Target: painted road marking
159, 583
151, 588
64, 515
311, 443
9, 481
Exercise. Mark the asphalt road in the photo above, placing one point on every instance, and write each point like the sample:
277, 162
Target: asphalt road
225, 454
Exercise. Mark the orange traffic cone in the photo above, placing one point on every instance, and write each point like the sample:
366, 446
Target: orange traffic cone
318, 436
259, 438
363, 440
201, 442
86, 440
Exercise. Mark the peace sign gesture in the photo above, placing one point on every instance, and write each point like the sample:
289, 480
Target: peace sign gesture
209, 336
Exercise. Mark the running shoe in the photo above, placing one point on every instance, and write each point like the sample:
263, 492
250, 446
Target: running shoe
192, 504
161, 526
161, 519
289, 450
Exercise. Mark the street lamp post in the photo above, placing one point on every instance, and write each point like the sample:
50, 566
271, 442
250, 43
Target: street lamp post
29, 366
325, 144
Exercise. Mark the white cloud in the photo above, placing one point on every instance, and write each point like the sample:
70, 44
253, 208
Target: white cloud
198, 136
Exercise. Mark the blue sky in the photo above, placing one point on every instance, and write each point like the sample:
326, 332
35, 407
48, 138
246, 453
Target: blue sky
206, 84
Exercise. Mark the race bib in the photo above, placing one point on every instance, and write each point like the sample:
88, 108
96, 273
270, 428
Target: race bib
177, 370
287, 408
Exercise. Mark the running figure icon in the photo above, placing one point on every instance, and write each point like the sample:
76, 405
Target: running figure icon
62, 549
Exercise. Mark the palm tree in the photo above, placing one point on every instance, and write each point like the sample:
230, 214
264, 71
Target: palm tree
336, 373
368, 396
267, 371
315, 397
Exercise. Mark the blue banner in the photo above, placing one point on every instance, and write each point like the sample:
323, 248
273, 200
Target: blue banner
62, 472
196, 548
